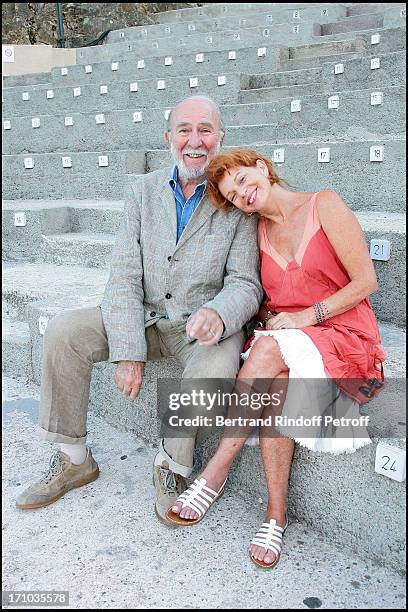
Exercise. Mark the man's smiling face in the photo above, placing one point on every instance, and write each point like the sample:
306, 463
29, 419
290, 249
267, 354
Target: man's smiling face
195, 137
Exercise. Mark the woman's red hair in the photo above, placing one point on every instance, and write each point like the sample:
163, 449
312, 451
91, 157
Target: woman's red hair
227, 161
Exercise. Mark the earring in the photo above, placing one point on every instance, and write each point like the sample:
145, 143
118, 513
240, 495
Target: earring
249, 214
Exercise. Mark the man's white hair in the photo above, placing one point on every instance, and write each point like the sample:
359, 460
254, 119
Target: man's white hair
197, 97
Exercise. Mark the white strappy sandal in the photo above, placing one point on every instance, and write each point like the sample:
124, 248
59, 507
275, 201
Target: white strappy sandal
269, 537
199, 498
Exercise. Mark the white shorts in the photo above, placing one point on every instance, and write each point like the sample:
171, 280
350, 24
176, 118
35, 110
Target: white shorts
304, 362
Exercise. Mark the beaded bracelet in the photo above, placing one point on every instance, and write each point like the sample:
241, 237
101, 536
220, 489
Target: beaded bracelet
318, 313
321, 312
324, 307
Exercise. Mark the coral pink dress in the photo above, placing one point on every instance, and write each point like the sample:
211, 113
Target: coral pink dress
348, 345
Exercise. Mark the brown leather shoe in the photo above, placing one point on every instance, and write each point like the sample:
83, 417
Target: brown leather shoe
169, 486
62, 476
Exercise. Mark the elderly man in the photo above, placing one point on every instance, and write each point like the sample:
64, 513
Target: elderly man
183, 282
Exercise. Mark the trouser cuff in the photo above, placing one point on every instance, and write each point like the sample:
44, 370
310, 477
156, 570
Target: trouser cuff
173, 465
57, 437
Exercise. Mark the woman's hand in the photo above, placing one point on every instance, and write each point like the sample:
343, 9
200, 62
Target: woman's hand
290, 320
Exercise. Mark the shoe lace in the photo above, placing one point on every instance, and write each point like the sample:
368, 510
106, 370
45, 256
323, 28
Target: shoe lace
54, 469
169, 480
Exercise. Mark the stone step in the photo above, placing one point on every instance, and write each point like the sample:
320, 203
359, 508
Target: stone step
47, 218
365, 7
89, 250
64, 102
20, 80
318, 14
200, 42
269, 120
355, 177
379, 41
349, 480
357, 74
316, 119
353, 23
391, 274
345, 580
184, 63
87, 163
246, 60
88, 247
231, 9
277, 36
51, 286
80, 186
270, 94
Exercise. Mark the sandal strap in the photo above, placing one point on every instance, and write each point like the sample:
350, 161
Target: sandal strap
270, 536
199, 497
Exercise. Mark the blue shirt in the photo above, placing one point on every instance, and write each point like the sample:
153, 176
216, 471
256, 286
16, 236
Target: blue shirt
185, 209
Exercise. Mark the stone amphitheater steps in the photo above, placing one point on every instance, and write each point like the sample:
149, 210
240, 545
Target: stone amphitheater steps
372, 7
109, 185
220, 10
324, 16
315, 121
75, 245
277, 36
147, 95
47, 219
351, 157
247, 59
379, 184
318, 14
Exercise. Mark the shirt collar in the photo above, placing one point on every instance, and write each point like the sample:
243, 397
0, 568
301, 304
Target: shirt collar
173, 181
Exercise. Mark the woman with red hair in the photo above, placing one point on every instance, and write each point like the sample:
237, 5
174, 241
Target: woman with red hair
316, 323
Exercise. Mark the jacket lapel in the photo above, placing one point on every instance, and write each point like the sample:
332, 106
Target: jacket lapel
167, 202
203, 212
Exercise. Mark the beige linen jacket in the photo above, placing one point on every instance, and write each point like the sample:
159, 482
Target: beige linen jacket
214, 264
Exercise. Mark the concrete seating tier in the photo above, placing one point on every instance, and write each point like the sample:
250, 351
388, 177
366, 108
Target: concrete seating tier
231, 9
315, 14
278, 35
265, 58
362, 183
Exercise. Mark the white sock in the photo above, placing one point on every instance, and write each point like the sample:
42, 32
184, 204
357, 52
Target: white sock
76, 452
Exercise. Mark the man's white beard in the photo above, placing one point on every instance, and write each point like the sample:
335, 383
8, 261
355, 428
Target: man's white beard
187, 174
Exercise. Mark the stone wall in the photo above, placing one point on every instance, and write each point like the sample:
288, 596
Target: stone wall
34, 23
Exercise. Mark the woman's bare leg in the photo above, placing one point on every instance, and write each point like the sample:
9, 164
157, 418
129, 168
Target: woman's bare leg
277, 454
264, 362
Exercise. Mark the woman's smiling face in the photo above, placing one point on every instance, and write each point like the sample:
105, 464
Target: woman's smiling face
246, 187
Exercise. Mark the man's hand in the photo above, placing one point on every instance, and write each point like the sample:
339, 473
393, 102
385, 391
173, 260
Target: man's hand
206, 326
129, 376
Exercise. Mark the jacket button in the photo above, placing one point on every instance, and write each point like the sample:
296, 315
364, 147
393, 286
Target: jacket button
168, 296
153, 314
169, 258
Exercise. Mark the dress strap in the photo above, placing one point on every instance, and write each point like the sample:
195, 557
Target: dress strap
262, 241
315, 225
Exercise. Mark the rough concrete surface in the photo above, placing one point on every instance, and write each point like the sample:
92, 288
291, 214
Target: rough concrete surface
104, 545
